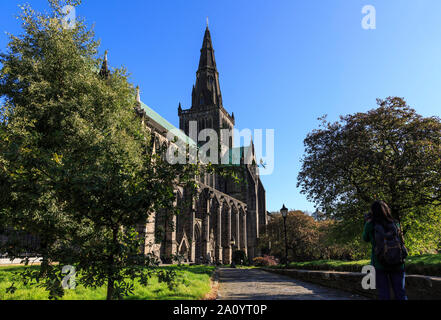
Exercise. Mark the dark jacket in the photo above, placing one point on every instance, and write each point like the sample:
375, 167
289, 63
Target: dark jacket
368, 236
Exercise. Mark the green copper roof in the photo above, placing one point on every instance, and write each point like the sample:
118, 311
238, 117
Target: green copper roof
167, 125
235, 154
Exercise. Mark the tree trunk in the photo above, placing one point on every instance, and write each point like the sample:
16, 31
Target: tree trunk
44, 261
110, 288
110, 266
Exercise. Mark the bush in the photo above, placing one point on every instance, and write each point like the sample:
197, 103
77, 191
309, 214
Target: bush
240, 258
265, 261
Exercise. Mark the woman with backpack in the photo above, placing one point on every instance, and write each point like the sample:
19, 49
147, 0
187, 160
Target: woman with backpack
388, 251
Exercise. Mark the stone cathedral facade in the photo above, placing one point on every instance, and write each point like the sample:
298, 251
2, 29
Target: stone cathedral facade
224, 216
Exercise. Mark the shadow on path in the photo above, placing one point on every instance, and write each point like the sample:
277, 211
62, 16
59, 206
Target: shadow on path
254, 284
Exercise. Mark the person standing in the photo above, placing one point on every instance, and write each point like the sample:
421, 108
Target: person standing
388, 251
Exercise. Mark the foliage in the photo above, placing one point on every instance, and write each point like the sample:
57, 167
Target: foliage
308, 239
330, 239
423, 234
240, 257
179, 258
76, 165
265, 261
193, 282
389, 153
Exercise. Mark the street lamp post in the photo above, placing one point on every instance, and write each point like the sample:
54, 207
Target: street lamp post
284, 212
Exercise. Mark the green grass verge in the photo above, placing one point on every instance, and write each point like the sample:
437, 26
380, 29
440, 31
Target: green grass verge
238, 266
424, 265
194, 284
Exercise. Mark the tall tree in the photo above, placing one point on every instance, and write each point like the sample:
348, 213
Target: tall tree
76, 168
302, 236
389, 153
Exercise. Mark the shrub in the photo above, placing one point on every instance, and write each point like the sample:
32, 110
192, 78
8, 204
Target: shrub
265, 261
179, 258
240, 257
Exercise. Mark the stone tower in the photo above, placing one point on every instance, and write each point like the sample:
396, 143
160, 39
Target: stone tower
207, 111
206, 97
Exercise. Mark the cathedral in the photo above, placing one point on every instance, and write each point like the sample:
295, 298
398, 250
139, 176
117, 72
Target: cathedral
224, 216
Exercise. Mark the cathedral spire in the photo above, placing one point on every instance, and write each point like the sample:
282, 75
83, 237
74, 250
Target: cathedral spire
207, 52
138, 96
104, 72
207, 89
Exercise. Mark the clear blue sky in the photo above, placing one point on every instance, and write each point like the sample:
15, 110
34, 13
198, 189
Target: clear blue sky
282, 64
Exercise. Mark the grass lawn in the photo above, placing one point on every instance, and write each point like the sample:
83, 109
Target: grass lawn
246, 267
429, 264
194, 284
238, 266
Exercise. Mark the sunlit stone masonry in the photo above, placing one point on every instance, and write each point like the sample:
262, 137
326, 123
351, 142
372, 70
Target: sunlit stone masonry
224, 216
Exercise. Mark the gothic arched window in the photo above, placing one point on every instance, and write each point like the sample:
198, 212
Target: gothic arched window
157, 145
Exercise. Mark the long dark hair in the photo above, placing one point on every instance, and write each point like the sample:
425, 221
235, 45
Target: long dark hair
381, 213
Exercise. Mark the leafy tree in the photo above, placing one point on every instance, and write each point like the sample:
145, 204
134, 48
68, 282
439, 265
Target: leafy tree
76, 165
309, 239
341, 240
423, 231
302, 236
389, 153
318, 216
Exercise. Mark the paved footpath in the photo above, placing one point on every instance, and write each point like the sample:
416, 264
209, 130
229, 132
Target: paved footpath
254, 284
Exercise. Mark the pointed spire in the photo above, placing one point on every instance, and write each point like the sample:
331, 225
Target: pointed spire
206, 92
104, 72
138, 96
207, 59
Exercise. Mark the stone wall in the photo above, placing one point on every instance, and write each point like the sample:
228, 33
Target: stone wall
417, 287
6, 261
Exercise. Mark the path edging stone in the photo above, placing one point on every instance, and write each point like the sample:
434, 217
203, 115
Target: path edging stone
418, 287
